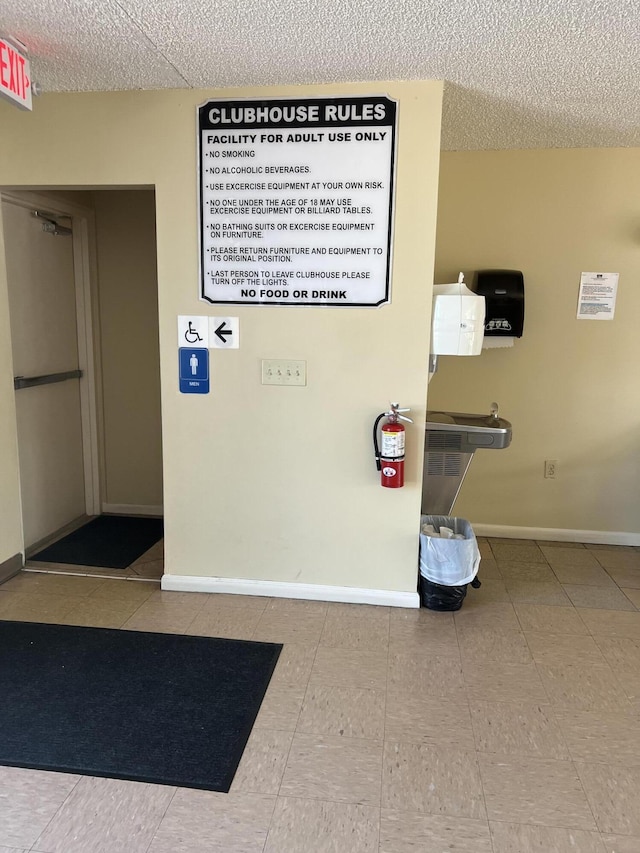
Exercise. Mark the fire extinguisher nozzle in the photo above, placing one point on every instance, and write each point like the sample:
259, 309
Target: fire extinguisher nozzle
376, 449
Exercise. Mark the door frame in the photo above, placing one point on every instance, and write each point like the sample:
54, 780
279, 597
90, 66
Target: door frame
85, 268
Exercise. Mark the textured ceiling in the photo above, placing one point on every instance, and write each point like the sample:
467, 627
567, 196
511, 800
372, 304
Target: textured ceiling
519, 73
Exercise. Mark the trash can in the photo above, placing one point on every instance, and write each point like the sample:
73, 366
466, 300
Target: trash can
447, 565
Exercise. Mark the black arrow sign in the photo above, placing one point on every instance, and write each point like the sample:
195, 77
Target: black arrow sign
221, 332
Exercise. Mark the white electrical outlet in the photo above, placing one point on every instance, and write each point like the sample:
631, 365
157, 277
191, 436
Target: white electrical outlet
283, 371
550, 468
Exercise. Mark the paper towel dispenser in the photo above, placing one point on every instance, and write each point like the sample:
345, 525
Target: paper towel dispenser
458, 320
503, 291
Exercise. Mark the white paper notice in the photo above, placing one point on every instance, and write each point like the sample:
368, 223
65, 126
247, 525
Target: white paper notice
296, 201
597, 299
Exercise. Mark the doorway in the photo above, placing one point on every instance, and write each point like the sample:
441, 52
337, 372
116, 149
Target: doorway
81, 268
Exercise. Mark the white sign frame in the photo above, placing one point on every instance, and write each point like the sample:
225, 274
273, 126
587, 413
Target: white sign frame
269, 164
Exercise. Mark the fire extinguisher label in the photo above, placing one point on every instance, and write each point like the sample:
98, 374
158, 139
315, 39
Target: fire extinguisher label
389, 472
392, 445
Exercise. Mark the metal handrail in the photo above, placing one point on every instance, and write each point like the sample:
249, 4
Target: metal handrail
46, 379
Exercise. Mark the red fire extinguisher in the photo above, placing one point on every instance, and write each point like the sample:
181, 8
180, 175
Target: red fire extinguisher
390, 452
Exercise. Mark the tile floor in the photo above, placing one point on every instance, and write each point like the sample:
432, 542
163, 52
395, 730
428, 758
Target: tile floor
512, 726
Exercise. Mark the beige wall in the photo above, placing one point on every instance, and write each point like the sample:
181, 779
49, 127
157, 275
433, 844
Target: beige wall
10, 508
259, 481
569, 386
130, 358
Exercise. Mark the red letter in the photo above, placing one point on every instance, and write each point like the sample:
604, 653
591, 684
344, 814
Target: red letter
12, 69
22, 93
3, 65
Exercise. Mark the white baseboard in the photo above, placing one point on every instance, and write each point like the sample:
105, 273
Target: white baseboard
552, 534
132, 509
278, 589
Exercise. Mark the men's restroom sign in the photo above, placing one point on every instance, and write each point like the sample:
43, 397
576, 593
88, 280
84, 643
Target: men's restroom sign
193, 370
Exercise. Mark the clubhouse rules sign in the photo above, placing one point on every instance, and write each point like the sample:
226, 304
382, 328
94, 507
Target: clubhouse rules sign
296, 200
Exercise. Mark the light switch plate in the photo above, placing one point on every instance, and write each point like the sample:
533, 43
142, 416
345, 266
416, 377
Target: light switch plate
283, 371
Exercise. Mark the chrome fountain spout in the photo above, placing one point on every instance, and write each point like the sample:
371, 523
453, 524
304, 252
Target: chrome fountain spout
493, 417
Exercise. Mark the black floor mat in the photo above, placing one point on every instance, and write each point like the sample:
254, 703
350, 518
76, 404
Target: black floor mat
108, 541
161, 708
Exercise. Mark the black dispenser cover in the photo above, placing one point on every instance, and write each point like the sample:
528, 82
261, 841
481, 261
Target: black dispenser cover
503, 291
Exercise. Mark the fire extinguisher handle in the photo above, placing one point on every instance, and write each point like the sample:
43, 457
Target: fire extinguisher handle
394, 412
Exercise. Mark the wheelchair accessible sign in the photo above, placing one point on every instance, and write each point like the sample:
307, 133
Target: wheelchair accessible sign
196, 336
193, 355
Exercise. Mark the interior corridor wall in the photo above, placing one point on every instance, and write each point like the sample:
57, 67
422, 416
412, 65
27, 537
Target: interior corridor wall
568, 386
130, 356
11, 541
264, 482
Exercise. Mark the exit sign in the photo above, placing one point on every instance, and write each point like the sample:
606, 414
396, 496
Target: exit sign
15, 73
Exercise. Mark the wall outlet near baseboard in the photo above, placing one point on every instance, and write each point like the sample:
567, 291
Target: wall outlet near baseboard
550, 469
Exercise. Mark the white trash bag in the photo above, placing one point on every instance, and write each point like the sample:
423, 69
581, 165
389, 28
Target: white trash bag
449, 553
